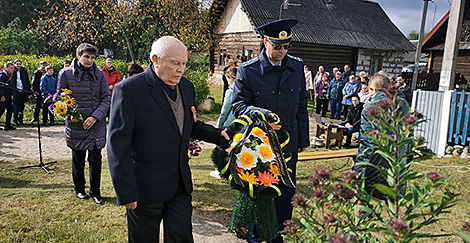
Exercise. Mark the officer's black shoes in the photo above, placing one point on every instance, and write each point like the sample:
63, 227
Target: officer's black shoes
9, 128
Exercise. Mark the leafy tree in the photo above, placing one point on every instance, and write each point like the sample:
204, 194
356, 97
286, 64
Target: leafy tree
134, 24
14, 39
413, 35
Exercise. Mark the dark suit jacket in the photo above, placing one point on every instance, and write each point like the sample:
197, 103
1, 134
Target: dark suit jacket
147, 154
24, 79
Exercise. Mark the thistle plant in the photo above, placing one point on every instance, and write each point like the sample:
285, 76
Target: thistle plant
394, 206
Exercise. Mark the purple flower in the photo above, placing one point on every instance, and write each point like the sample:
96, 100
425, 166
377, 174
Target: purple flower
317, 192
400, 226
339, 238
372, 112
291, 226
385, 103
435, 175
322, 174
50, 108
350, 176
314, 181
191, 145
299, 199
63, 94
55, 97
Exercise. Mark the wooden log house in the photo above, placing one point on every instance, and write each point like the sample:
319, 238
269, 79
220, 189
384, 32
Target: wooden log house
331, 33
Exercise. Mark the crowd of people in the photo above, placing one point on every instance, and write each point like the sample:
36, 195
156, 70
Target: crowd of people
344, 94
16, 89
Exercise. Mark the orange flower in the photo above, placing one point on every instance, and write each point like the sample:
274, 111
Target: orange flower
247, 176
267, 178
275, 170
258, 132
266, 154
266, 141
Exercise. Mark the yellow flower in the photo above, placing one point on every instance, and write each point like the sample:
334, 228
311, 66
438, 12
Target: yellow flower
237, 137
67, 91
275, 170
266, 141
246, 159
258, 132
61, 110
247, 176
266, 154
69, 102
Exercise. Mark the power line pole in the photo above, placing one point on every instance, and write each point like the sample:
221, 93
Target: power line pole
420, 44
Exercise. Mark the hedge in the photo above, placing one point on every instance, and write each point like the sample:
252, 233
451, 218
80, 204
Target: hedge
31, 63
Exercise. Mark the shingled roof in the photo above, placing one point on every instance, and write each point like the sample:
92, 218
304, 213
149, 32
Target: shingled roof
352, 23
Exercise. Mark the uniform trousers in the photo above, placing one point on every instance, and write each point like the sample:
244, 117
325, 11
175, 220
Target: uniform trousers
143, 223
78, 170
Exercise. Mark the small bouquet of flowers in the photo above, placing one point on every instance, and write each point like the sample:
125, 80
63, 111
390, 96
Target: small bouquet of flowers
64, 105
194, 148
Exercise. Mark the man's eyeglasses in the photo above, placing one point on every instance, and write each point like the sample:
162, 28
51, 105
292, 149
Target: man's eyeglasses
279, 47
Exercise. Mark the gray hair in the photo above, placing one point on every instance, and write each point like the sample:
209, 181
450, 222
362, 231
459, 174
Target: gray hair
86, 47
160, 45
379, 82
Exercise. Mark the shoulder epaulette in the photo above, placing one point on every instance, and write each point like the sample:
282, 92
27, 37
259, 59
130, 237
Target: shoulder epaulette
295, 58
249, 62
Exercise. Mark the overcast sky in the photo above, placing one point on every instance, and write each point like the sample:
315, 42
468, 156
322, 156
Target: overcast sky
406, 14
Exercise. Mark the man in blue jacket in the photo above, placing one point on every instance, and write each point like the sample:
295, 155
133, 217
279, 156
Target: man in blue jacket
6, 94
275, 82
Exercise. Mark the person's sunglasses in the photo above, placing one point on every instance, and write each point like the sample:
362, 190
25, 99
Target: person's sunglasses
279, 47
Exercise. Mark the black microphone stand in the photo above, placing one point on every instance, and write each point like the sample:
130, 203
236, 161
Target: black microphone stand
41, 164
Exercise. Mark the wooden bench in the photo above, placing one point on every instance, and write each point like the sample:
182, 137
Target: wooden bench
327, 154
331, 131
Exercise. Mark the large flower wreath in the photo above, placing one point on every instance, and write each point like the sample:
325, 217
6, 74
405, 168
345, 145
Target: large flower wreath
255, 165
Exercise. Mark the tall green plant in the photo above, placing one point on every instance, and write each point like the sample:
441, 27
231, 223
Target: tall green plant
344, 211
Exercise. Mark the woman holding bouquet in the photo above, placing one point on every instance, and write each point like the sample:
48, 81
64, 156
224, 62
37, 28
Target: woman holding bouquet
91, 93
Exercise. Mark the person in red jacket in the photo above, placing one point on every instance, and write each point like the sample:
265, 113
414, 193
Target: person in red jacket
112, 74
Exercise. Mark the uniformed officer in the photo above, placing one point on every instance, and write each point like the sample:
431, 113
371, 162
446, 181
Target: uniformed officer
275, 82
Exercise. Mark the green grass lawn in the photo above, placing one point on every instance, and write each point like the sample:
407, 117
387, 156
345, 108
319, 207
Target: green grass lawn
40, 207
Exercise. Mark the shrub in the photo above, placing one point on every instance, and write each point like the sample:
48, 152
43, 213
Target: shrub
345, 211
199, 79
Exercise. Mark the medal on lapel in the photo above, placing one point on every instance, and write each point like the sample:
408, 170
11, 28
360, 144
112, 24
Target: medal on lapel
193, 109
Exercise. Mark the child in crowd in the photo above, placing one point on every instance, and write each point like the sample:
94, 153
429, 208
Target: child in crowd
48, 88
364, 94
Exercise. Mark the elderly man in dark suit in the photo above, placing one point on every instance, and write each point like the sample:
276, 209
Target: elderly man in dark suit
151, 121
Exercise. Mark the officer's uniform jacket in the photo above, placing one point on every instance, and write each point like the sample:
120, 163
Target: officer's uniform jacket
259, 86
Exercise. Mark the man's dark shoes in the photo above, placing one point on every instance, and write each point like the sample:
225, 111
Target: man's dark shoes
98, 199
82, 195
9, 128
